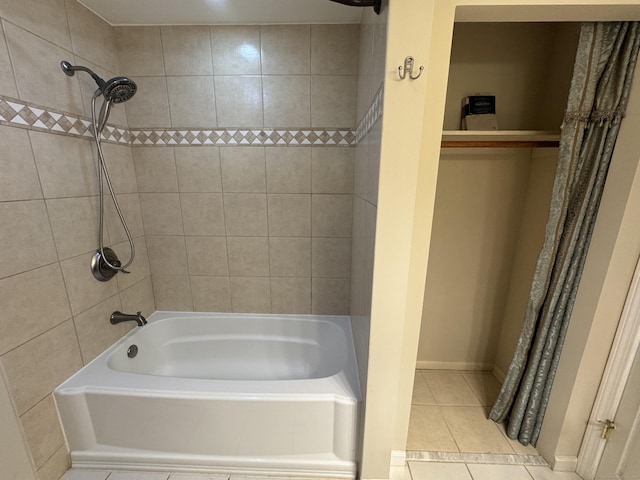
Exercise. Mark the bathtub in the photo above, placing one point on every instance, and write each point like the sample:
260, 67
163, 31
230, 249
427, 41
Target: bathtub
219, 393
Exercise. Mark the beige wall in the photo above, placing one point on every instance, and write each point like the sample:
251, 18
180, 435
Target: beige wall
527, 66
530, 240
407, 194
245, 229
55, 314
478, 210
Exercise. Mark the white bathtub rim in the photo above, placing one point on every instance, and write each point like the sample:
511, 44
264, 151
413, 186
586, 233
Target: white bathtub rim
105, 379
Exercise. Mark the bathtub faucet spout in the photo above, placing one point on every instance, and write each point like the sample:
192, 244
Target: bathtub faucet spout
119, 317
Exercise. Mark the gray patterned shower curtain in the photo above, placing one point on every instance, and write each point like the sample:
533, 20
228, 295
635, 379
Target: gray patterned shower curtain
602, 75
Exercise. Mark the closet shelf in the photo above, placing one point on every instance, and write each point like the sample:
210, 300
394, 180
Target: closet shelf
500, 138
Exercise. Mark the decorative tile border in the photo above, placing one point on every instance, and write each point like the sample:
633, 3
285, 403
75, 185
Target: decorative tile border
242, 136
18, 113
372, 115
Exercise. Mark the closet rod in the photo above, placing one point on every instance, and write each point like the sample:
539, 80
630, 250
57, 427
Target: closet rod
500, 144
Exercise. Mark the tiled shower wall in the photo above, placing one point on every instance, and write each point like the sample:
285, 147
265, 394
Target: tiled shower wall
54, 315
371, 77
245, 228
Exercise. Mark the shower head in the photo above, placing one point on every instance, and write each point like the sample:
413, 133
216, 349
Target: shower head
115, 90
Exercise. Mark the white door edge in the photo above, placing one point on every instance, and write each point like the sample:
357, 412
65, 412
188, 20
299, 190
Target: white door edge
623, 352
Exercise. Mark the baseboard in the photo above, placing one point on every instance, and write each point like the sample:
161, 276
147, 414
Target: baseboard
398, 458
429, 365
564, 463
498, 373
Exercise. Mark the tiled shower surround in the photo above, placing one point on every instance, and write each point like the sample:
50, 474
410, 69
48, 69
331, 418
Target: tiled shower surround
246, 228
234, 165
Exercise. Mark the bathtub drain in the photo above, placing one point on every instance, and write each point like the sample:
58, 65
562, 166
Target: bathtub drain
132, 351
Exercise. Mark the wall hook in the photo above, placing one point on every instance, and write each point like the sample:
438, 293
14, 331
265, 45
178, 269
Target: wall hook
408, 69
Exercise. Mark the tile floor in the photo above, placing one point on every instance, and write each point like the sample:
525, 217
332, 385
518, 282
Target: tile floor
449, 414
462, 471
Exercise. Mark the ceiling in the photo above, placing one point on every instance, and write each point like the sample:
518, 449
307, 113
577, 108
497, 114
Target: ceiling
218, 12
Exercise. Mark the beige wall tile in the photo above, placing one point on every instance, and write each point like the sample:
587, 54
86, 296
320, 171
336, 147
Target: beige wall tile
65, 165
25, 315
291, 295
172, 292
139, 298
18, 175
92, 37
333, 101
167, 255
42, 430
130, 207
187, 50
211, 294
358, 229
373, 163
207, 255
83, 289
360, 170
239, 101
36, 64
192, 102
155, 169
287, 101
119, 160
74, 222
202, 213
332, 170
289, 215
243, 169
331, 215
428, 430
250, 294
370, 234
330, 296
288, 169
150, 106
198, 169
235, 49
290, 257
28, 243
146, 58
161, 213
248, 256
332, 51
285, 49
35, 368
139, 269
331, 257
245, 214
94, 329
56, 466
7, 80
88, 88
47, 20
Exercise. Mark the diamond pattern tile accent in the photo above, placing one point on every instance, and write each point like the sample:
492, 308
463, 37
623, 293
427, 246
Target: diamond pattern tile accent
22, 114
